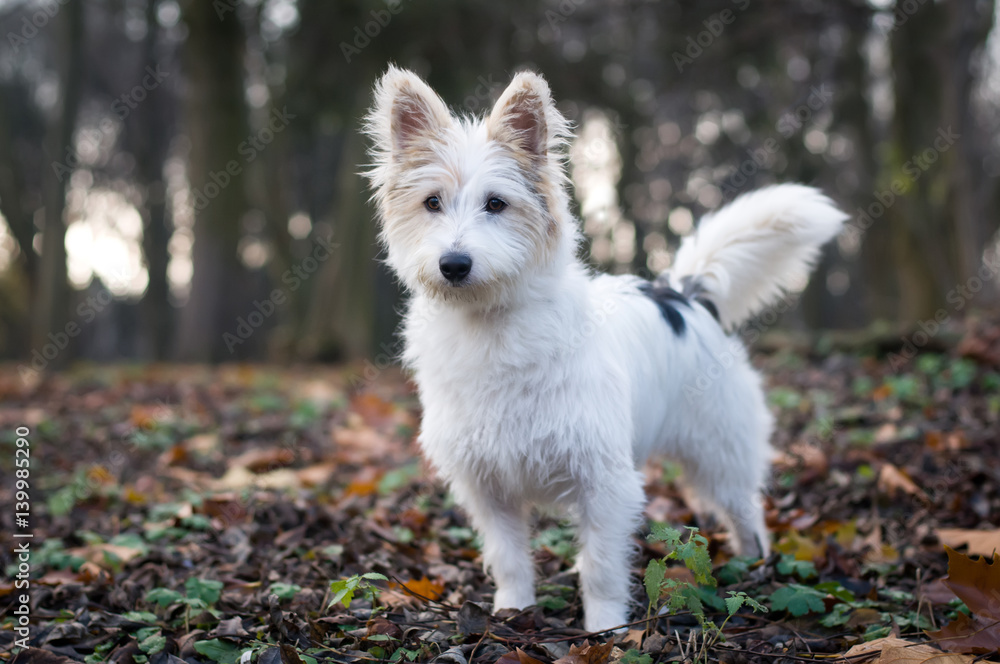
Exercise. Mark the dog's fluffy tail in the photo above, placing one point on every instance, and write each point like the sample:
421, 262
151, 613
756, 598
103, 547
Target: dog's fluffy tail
743, 257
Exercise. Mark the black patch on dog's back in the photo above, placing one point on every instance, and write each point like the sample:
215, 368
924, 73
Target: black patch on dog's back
667, 299
693, 289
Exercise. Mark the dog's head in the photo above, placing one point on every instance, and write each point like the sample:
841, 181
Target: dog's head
470, 208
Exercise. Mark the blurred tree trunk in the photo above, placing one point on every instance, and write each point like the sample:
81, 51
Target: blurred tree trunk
150, 131
340, 316
921, 260
938, 231
12, 204
968, 28
217, 125
51, 306
872, 276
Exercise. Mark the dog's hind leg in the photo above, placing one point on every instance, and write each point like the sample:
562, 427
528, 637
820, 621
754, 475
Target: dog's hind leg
504, 526
731, 486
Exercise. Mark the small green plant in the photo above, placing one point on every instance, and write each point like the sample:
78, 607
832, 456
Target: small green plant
798, 599
200, 595
635, 657
345, 589
554, 596
804, 569
675, 595
559, 539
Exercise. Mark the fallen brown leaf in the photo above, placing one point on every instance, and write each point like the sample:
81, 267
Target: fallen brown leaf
423, 587
801, 547
980, 542
891, 480
969, 635
893, 650
588, 654
977, 583
517, 656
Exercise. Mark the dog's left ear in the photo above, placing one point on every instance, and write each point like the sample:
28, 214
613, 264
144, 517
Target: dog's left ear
525, 118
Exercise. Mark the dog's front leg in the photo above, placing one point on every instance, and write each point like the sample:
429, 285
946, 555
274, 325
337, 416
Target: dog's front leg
610, 512
504, 527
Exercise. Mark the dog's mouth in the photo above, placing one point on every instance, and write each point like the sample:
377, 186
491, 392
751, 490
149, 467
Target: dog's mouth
463, 291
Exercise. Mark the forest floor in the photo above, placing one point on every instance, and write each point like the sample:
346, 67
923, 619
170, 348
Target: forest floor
200, 514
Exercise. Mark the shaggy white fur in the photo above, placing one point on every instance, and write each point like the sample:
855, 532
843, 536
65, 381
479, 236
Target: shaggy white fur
544, 384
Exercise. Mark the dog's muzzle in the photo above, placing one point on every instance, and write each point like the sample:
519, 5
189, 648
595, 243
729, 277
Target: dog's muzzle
455, 267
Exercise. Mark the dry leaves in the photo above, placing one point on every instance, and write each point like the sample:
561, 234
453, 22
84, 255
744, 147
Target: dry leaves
893, 650
977, 583
979, 542
412, 593
517, 656
891, 481
588, 654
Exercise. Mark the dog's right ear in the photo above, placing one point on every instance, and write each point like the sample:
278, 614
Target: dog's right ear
405, 111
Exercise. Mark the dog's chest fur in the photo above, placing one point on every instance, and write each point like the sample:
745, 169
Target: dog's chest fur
507, 401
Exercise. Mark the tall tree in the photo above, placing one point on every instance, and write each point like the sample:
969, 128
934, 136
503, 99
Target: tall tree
51, 309
148, 132
217, 125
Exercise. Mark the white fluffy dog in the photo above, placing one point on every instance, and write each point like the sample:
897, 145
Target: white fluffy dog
545, 384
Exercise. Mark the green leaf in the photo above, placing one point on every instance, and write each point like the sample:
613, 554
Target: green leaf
838, 616
734, 602
738, 599
709, 597
913, 619
375, 576
692, 601
285, 590
153, 643
635, 657
798, 600
140, 616
804, 569
194, 603
344, 596
695, 556
207, 590
834, 588
560, 540
655, 572
660, 532
877, 632
132, 541
551, 602
394, 480
197, 522
222, 652
144, 633
734, 571
163, 597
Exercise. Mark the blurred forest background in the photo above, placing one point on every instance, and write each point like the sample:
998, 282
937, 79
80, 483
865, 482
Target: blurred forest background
178, 178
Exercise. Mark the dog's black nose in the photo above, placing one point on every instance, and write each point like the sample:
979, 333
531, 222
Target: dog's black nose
455, 267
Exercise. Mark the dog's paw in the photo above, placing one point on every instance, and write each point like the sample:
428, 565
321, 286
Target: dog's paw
513, 598
605, 615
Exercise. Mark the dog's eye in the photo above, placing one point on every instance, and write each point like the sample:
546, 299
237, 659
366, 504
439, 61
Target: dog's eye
495, 205
433, 204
